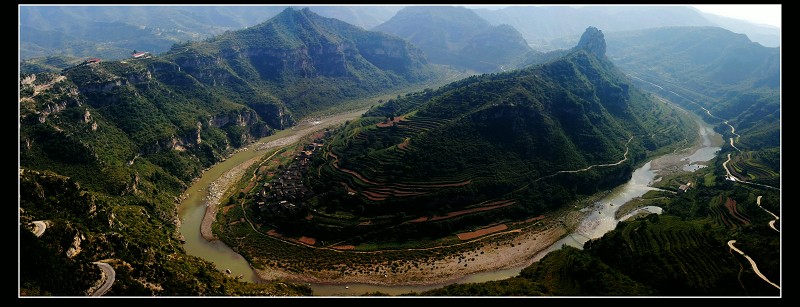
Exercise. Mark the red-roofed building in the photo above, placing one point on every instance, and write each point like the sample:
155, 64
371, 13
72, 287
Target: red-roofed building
138, 54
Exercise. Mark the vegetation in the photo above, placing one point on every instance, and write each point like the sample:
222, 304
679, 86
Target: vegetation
424, 166
112, 32
107, 148
133, 236
713, 69
134, 133
476, 143
680, 252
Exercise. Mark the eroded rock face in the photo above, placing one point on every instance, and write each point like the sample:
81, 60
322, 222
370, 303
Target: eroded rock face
75, 249
593, 41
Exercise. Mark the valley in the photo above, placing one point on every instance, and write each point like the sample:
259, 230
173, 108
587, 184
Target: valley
404, 151
496, 256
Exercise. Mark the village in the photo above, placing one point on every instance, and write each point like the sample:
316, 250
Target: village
286, 193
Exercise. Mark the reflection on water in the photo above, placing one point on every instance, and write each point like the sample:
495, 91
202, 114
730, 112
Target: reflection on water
705, 153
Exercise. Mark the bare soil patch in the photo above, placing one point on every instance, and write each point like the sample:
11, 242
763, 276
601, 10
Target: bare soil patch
389, 123
307, 240
481, 232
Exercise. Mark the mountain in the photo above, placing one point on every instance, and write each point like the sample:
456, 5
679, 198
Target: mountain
686, 250
458, 37
105, 143
734, 78
767, 36
484, 149
539, 25
363, 16
556, 27
308, 61
111, 32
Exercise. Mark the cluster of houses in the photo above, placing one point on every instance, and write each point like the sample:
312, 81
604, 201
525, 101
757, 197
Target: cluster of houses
286, 193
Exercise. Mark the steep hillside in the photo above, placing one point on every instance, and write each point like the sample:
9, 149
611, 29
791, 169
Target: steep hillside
733, 78
134, 133
457, 36
127, 233
482, 150
307, 61
685, 251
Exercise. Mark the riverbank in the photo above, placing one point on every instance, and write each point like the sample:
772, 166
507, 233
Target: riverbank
672, 163
489, 255
515, 250
219, 186
214, 195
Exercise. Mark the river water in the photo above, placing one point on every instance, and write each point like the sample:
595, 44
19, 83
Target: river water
601, 217
193, 207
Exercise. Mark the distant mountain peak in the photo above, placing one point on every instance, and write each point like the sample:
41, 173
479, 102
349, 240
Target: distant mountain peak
593, 41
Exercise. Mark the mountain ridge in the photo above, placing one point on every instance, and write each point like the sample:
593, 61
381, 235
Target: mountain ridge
133, 134
482, 139
457, 36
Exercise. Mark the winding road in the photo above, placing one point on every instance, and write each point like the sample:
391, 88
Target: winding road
107, 276
733, 131
752, 263
772, 222
725, 166
624, 158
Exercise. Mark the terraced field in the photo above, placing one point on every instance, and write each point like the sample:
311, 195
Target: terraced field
724, 211
373, 181
745, 167
669, 255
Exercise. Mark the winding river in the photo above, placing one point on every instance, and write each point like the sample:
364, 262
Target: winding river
600, 220
193, 206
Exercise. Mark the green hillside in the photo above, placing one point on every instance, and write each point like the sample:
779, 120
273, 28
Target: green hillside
680, 253
733, 78
135, 133
494, 144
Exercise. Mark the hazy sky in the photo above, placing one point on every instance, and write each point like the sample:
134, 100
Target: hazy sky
755, 13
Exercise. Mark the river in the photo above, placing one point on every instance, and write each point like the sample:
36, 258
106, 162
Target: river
600, 220
193, 207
